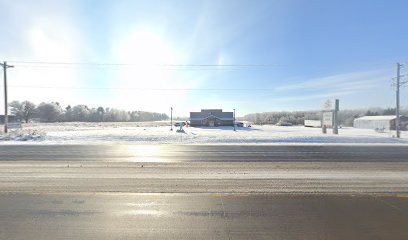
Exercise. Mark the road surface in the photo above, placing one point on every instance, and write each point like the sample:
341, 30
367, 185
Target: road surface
203, 192
205, 153
186, 216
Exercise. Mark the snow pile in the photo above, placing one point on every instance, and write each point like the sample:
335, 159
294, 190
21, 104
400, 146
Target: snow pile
22, 136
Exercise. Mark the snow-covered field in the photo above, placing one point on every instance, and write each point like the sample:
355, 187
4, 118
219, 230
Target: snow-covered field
159, 133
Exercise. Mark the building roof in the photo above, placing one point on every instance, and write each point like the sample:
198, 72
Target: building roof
217, 113
211, 109
388, 117
202, 118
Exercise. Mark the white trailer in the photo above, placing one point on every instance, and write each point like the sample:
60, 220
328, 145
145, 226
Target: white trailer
313, 123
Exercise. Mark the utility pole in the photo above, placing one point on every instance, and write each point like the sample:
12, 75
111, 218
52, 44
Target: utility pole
397, 110
5, 66
336, 117
234, 120
171, 118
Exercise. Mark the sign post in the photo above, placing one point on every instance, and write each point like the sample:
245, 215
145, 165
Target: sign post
335, 118
330, 117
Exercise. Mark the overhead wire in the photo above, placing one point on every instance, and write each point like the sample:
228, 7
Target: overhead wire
161, 66
165, 66
140, 89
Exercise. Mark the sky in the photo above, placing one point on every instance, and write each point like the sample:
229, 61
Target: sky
248, 55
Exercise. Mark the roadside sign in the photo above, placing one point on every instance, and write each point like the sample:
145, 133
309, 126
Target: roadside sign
14, 125
327, 119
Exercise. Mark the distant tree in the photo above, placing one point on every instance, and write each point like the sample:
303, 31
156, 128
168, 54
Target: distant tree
80, 113
328, 105
346, 117
370, 113
49, 112
258, 118
100, 111
23, 110
134, 116
29, 109
16, 108
68, 114
389, 111
312, 116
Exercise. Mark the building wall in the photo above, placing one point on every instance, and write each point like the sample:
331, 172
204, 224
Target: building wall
372, 124
222, 118
206, 123
403, 124
11, 119
195, 123
227, 123
387, 124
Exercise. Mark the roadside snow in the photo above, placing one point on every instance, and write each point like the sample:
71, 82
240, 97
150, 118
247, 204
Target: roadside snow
157, 133
20, 135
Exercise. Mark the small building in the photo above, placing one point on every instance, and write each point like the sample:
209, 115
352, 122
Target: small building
11, 118
211, 118
380, 122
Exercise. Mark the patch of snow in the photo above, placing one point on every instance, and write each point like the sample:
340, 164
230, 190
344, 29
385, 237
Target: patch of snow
22, 136
151, 133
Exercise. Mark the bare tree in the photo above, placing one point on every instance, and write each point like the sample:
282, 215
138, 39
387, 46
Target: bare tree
16, 108
29, 109
328, 105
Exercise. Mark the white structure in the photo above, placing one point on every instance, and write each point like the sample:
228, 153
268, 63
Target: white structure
380, 122
313, 123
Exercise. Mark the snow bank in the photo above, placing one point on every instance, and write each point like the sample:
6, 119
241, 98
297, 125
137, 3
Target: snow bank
20, 135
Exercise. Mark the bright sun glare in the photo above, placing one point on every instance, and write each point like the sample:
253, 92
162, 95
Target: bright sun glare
146, 51
145, 153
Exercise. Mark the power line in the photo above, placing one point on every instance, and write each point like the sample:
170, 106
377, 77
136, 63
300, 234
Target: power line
218, 66
247, 65
150, 68
140, 89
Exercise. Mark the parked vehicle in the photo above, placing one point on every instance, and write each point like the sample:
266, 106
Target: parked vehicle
177, 124
239, 124
286, 124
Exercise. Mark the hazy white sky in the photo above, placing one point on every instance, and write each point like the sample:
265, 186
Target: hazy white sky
314, 50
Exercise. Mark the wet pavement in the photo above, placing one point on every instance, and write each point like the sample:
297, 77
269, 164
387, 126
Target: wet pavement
203, 177
202, 216
205, 153
203, 192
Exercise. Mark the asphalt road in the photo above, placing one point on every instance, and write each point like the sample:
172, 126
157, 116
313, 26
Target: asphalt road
205, 153
186, 216
203, 192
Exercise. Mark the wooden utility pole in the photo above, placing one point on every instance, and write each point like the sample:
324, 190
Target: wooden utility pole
171, 118
397, 127
336, 117
5, 66
397, 110
234, 120
398, 85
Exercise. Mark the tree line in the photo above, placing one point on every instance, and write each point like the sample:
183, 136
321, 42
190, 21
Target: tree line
346, 117
53, 112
